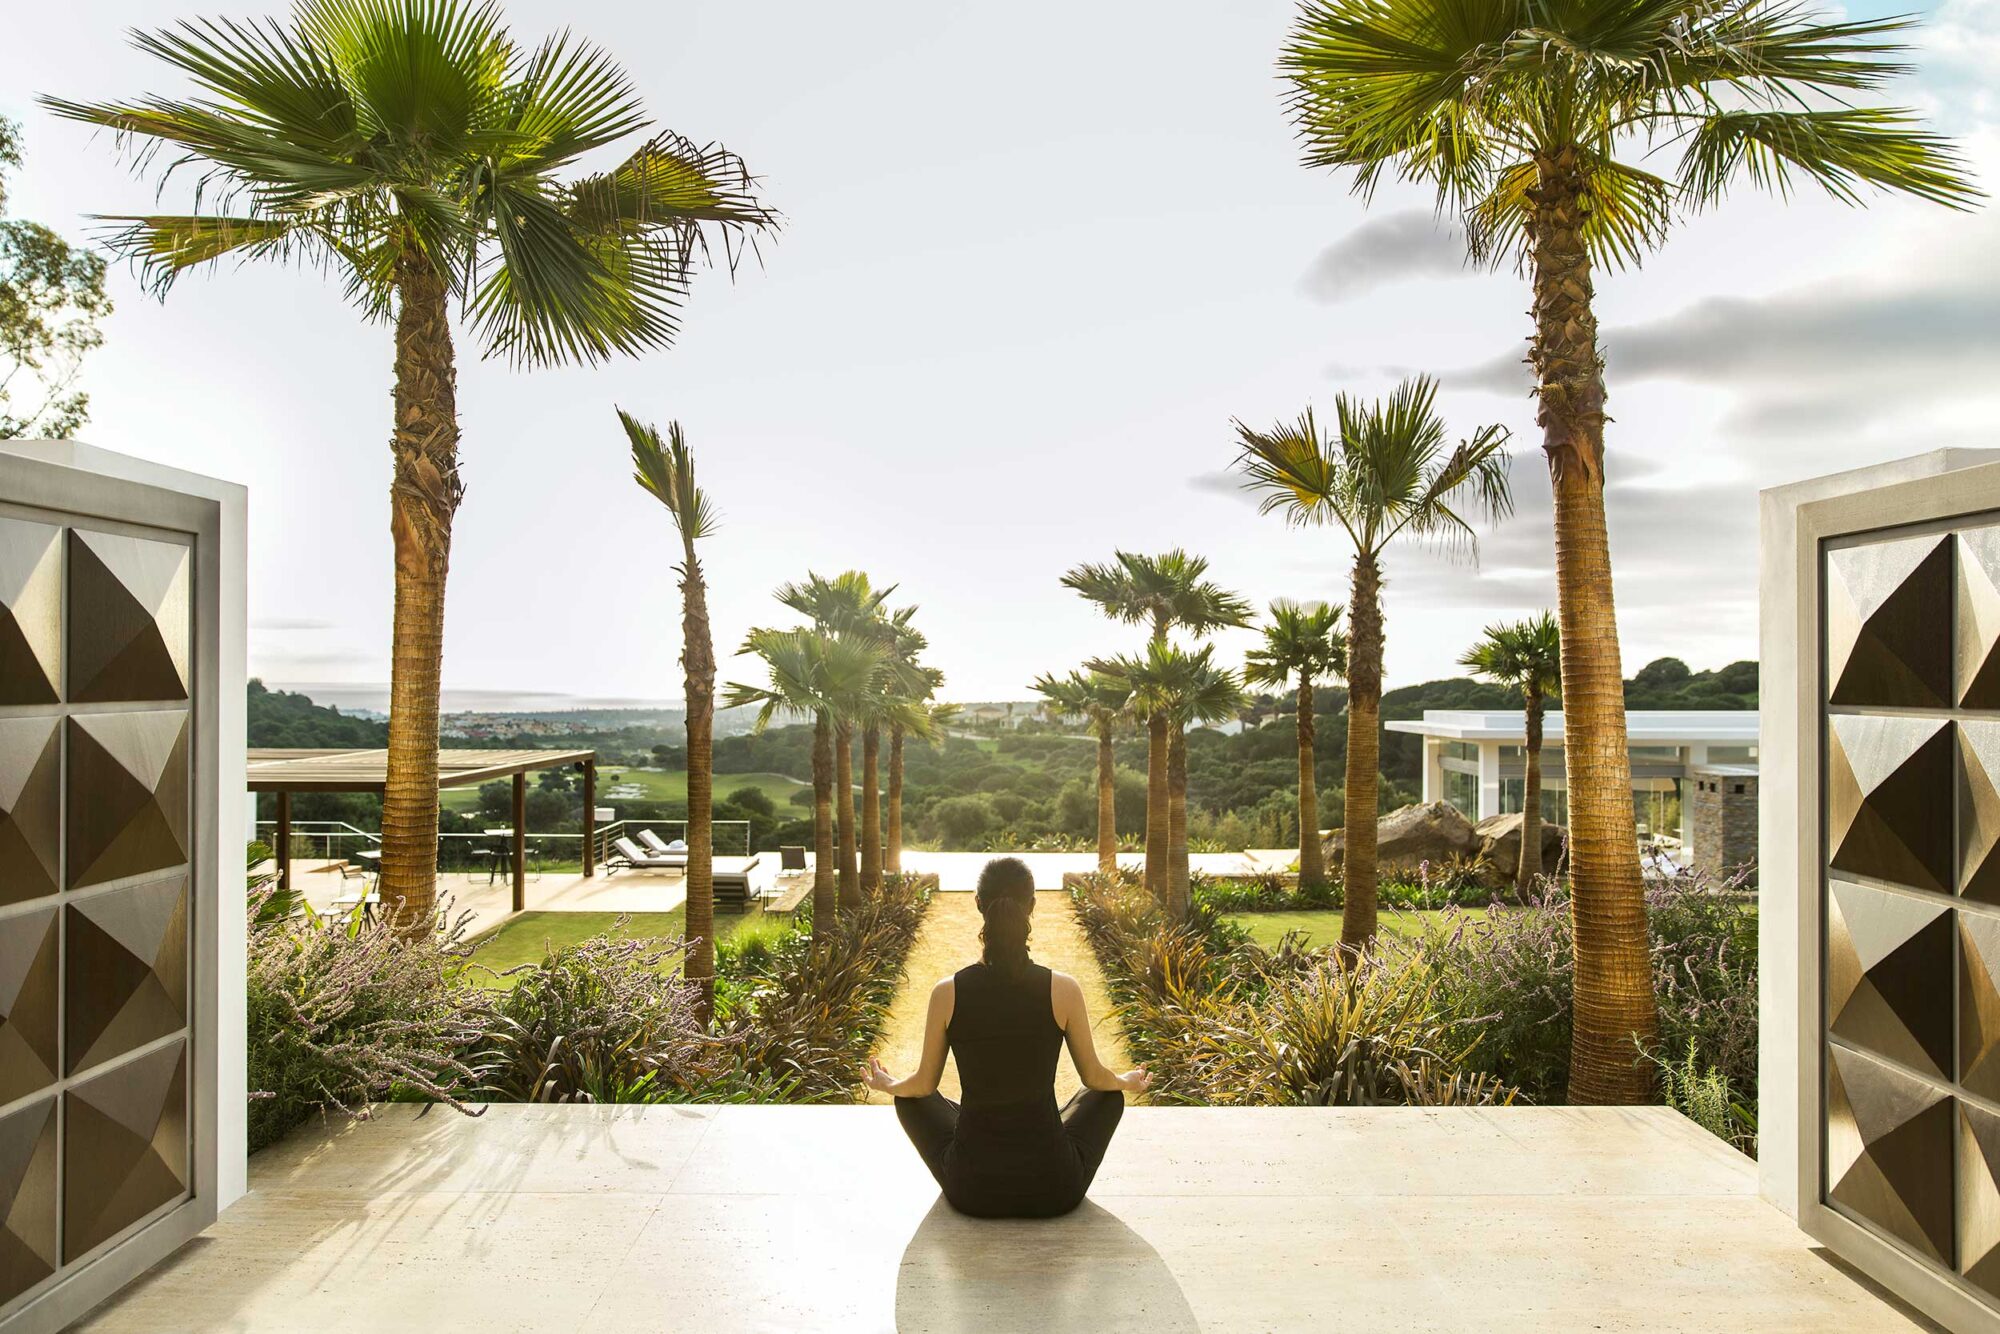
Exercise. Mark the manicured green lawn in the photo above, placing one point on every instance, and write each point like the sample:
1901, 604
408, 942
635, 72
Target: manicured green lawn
528, 937
657, 785
1323, 928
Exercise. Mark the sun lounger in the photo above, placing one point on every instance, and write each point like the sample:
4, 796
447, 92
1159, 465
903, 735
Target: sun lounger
677, 851
791, 862
627, 854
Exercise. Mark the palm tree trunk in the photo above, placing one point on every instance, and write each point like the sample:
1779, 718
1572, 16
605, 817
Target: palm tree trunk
1156, 806
1364, 753
871, 810
423, 498
843, 813
1312, 857
823, 854
698, 668
1615, 1012
893, 840
1180, 893
1107, 800
1530, 868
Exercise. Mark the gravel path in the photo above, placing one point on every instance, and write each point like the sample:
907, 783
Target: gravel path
949, 940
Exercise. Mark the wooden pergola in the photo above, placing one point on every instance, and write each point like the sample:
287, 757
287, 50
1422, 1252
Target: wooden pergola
285, 772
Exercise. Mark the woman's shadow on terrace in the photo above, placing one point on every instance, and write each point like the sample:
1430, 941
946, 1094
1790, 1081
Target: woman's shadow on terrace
1084, 1271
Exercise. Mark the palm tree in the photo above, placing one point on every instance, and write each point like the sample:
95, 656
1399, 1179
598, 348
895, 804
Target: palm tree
1528, 120
1302, 643
413, 147
1171, 686
667, 471
924, 720
1104, 701
910, 687
1528, 656
1163, 592
848, 607
811, 675
1386, 473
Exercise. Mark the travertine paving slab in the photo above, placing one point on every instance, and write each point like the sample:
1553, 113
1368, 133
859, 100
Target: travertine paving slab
608, 1220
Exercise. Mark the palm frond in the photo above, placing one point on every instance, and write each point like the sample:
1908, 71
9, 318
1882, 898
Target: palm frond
1841, 151
665, 469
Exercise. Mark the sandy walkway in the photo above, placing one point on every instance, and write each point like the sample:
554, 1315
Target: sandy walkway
949, 939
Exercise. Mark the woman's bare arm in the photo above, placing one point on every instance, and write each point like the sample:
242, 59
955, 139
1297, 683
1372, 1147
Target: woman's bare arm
931, 1067
1073, 1015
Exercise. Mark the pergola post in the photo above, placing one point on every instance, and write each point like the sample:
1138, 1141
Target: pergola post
284, 848
590, 816
520, 842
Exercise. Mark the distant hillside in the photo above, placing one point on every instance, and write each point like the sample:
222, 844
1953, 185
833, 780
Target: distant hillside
279, 718
1664, 683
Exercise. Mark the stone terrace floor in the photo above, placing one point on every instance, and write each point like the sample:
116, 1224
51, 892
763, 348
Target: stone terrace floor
820, 1218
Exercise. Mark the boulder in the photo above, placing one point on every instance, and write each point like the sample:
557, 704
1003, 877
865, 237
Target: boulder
1500, 846
1411, 835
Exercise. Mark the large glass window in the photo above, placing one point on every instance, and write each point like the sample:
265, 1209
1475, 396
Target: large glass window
1666, 753
1461, 750
1732, 754
1656, 804
1555, 798
1462, 791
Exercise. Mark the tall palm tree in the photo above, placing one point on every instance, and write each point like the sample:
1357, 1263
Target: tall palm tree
666, 470
922, 719
1526, 655
1162, 592
811, 674
1104, 702
412, 147
910, 688
1303, 643
1385, 473
849, 607
1530, 121
1170, 683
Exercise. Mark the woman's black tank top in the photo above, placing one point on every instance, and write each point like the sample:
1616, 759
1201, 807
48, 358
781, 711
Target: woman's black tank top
1004, 1035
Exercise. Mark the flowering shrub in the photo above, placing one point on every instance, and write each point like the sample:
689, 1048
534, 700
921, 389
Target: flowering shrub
344, 1011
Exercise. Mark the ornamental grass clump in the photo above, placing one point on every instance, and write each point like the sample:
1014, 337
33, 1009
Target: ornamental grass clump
345, 1011
609, 1019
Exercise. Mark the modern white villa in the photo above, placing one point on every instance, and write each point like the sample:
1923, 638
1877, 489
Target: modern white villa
1694, 773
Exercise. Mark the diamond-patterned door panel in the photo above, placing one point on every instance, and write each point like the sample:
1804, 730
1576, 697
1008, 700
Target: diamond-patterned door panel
1888, 975
1979, 1197
127, 978
1888, 623
128, 616
125, 1147
27, 1197
1979, 810
1889, 1151
1979, 1003
1977, 652
128, 795
30, 808
1888, 799
29, 963
30, 612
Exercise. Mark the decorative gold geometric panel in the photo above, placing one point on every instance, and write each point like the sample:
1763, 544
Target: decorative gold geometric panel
1979, 811
1979, 1003
1888, 974
30, 612
30, 808
1889, 1151
1888, 623
1888, 796
1977, 652
125, 1147
128, 795
27, 1197
127, 978
1979, 1197
128, 618
29, 955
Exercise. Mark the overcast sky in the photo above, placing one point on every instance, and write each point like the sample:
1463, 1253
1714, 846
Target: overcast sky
1035, 258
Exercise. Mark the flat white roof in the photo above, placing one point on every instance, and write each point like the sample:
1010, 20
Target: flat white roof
1731, 727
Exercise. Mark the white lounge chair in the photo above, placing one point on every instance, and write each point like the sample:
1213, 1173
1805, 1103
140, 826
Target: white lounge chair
659, 847
625, 854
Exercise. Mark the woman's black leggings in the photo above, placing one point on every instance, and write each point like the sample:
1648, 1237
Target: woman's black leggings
1088, 1120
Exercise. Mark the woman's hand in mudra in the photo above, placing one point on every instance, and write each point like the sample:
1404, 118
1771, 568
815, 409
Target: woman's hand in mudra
878, 1077
1136, 1081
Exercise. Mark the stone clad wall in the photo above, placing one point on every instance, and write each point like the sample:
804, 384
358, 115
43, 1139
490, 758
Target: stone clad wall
1722, 821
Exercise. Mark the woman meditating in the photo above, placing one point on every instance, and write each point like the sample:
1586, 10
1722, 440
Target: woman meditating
1007, 1151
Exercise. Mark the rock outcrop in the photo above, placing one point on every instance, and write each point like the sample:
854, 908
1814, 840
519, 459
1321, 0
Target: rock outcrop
1500, 847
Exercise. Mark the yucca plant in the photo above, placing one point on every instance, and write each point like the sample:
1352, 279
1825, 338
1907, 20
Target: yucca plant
415, 149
